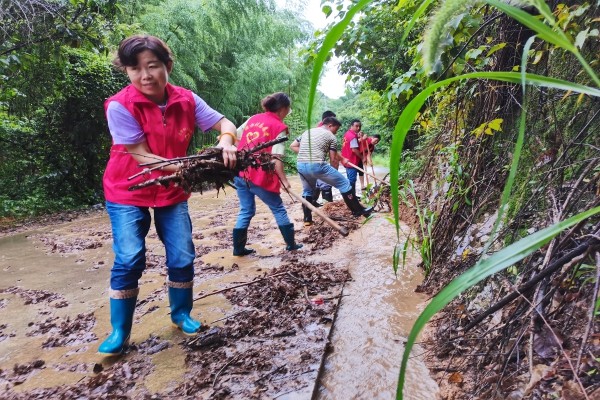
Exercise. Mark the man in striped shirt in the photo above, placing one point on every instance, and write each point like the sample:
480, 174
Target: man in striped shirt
313, 148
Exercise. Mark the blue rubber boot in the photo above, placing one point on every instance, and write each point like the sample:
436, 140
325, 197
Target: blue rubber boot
287, 231
181, 299
122, 306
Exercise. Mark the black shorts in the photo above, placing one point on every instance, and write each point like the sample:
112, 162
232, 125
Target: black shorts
360, 165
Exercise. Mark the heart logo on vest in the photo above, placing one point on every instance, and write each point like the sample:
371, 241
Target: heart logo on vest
252, 136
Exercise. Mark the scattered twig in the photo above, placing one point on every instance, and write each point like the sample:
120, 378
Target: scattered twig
572, 257
588, 328
223, 368
230, 316
558, 343
240, 285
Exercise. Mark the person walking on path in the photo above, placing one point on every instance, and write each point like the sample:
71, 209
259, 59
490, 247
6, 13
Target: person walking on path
351, 152
311, 165
151, 120
265, 185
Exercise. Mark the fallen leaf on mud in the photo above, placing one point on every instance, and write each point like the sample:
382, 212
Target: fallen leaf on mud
538, 372
572, 391
456, 377
545, 342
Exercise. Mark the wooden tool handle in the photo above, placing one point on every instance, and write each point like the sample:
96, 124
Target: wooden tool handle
320, 213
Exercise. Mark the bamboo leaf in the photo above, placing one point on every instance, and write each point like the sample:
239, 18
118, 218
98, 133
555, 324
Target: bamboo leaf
414, 19
329, 42
484, 268
543, 31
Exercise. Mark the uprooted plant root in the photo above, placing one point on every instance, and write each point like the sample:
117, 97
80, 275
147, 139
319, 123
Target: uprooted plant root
208, 168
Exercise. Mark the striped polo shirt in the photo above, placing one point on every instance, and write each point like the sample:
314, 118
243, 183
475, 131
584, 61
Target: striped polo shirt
317, 148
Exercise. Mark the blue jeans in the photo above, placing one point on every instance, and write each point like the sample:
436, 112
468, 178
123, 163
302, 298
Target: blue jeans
322, 185
351, 173
246, 191
310, 172
130, 225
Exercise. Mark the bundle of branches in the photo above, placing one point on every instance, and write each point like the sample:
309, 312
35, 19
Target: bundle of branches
208, 167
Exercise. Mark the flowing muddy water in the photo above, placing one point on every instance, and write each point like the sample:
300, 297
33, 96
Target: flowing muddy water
374, 318
56, 277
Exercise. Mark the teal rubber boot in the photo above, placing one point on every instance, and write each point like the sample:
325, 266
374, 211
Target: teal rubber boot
240, 237
181, 299
122, 306
287, 231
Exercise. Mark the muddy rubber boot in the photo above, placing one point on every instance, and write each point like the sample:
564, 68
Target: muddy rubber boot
352, 203
327, 195
287, 231
308, 221
240, 237
315, 197
181, 300
122, 306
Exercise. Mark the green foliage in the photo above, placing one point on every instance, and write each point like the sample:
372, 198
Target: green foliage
439, 85
426, 221
57, 156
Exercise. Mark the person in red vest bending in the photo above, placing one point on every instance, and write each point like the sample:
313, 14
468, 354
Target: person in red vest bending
265, 185
151, 120
351, 152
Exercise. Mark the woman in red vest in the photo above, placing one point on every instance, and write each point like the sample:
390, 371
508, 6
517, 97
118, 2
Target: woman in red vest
265, 185
152, 120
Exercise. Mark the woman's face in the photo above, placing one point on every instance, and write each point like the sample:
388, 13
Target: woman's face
150, 76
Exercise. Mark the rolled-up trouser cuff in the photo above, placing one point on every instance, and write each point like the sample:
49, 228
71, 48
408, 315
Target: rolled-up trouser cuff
185, 274
180, 285
124, 294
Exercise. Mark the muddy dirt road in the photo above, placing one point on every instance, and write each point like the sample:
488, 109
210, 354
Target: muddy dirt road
327, 321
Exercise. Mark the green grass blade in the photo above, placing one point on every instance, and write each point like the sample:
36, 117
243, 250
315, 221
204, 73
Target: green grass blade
484, 268
424, 5
516, 153
555, 36
334, 34
411, 110
544, 32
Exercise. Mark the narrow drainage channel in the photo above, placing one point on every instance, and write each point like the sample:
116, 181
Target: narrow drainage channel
376, 314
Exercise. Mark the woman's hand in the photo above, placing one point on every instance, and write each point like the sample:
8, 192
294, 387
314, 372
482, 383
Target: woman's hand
229, 154
227, 141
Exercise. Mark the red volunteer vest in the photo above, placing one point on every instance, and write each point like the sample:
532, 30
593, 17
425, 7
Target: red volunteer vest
347, 150
259, 129
167, 135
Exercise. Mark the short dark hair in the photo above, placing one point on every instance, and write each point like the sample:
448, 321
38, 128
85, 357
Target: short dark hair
275, 102
355, 121
332, 121
377, 135
130, 47
327, 114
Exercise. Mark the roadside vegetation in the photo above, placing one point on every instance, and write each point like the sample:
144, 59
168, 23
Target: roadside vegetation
495, 149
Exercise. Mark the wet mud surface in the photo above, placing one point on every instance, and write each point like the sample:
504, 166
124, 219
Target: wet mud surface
266, 333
